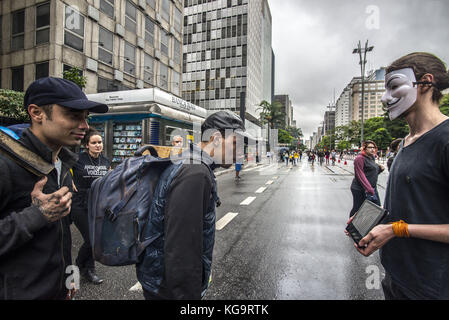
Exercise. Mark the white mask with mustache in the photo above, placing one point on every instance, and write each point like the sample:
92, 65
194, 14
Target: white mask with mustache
401, 92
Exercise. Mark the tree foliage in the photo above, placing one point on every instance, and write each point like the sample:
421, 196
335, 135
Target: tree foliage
11, 105
75, 75
444, 105
272, 114
284, 137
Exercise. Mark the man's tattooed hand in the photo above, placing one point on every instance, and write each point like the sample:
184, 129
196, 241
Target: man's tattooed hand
53, 206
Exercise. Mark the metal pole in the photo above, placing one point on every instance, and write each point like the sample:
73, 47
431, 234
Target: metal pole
362, 72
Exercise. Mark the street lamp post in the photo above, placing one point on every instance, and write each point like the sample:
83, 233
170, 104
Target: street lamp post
363, 61
330, 107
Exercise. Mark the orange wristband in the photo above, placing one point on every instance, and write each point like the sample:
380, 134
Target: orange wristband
400, 229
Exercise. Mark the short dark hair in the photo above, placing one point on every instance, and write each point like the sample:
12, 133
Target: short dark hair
48, 110
422, 63
394, 145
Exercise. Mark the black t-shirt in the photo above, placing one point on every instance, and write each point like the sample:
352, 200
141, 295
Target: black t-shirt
85, 171
418, 193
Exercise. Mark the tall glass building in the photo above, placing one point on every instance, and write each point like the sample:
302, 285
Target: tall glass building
227, 51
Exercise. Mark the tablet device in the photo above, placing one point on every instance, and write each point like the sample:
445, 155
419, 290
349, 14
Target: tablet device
368, 216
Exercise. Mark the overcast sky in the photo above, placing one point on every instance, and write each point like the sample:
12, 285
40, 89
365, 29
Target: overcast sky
313, 43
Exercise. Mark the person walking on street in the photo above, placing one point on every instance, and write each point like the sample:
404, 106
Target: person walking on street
177, 265
366, 172
394, 147
238, 168
91, 165
414, 238
334, 157
327, 154
35, 241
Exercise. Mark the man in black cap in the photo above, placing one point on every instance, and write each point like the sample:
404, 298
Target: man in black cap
183, 271
35, 241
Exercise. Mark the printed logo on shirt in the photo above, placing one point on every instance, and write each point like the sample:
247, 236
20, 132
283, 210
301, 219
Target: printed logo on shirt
94, 171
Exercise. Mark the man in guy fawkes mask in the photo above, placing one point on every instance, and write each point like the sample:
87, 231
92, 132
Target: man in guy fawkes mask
415, 237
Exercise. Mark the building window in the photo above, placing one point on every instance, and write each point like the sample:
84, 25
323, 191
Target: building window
148, 69
18, 30
149, 31
163, 76
177, 51
165, 10
105, 46
175, 83
130, 17
107, 6
17, 78
43, 23
164, 42
42, 70
106, 85
152, 4
74, 29
130, 58
178, 20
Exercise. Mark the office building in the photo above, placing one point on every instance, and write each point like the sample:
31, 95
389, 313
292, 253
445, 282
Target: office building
117, 44
227, 52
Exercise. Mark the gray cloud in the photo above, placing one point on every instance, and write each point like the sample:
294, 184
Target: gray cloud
313, 43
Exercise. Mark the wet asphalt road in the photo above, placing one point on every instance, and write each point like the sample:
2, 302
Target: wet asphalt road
286, 244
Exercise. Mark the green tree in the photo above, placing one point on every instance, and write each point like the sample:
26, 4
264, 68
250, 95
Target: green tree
444, 105
382, 138
11, 105
284, 137
272, 114
75, 75
397, 128
294, 132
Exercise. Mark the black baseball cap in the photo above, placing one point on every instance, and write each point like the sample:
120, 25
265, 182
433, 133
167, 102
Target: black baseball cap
223, 120
63, 92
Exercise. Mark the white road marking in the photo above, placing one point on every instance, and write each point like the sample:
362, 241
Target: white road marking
269, 182
261, 189
250, 169
225, 220
136, 287
247, 201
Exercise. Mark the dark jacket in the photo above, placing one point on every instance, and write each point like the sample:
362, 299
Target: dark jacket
178, 264
34, 253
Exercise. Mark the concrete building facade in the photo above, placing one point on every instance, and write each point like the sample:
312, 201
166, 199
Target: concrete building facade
117, 45
227, 51
374, 90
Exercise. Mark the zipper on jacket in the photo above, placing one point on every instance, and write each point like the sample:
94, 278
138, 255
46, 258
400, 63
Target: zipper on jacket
62, 235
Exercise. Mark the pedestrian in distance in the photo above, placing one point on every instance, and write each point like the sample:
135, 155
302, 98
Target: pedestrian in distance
177, 141
178, 265
35, 241
414, 238
91, 165
366, 172
334, 157
238, 168
394, 147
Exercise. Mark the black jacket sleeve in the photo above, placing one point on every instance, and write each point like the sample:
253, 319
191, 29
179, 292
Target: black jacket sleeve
187, 203
16, 228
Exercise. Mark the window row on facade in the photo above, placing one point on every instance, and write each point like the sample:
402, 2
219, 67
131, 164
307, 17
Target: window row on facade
209, 5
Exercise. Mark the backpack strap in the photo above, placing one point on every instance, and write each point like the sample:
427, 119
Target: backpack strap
114, 211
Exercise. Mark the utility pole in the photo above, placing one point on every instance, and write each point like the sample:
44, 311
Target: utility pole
330, 107
362, 62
